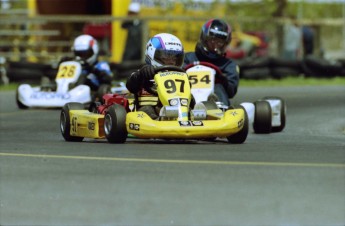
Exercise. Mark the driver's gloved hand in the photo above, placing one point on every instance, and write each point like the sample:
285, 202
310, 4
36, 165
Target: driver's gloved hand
147, 72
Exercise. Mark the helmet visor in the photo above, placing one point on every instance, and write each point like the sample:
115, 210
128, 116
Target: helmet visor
83, 54
169, 57
215, 44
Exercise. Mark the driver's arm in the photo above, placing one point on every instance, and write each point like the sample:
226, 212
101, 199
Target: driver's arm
231, 79
140, 78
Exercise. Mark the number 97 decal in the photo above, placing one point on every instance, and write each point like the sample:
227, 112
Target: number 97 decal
173, 86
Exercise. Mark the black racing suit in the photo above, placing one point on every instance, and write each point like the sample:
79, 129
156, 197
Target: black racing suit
138, 83
227, 87
144, 101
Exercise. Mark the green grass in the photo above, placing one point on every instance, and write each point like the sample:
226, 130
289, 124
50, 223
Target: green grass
290, 81
294, 81
11, 86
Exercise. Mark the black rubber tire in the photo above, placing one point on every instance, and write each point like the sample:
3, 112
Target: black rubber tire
115, 124
262, 117
241, 136
103, 89
282, 114
65, 121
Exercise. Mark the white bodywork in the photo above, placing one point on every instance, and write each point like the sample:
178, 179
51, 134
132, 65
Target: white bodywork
68, 73
201, 89
202, 79
119, 88
276, 106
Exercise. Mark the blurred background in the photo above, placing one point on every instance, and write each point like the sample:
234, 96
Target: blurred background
35, 34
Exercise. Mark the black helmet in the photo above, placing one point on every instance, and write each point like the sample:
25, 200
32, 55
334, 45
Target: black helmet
215, 36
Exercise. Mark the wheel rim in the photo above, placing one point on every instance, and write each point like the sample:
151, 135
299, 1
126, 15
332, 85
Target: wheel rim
63, 121
107, 124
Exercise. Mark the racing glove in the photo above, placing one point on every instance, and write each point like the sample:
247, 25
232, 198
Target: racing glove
147, 72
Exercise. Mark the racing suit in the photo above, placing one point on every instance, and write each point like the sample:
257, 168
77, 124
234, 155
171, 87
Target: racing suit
226, 86
144, 101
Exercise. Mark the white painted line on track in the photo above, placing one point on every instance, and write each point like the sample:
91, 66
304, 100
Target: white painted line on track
283, 164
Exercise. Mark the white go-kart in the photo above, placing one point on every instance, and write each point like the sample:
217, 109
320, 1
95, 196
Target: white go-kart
68, 87
267, 114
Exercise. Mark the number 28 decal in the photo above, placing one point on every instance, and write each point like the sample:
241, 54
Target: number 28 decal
67, 71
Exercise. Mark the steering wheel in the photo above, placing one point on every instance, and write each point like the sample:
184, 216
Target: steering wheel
153, 89
169, 68
207, 64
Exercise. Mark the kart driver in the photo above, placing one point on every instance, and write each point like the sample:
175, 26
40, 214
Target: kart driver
215, 36
161, 50
85, 49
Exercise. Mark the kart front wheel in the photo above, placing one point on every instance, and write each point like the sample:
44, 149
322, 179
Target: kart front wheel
115, 124
65, 121
262, 117
240, 136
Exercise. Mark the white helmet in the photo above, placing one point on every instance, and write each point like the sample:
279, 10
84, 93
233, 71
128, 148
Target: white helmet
164, 49
86, 47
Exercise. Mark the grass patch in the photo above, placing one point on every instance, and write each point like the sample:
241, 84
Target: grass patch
11, 86
289, 81
294, 81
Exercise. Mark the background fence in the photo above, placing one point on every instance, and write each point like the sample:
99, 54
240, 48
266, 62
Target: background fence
45, 38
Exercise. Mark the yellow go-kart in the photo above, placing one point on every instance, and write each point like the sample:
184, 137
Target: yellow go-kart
117, 116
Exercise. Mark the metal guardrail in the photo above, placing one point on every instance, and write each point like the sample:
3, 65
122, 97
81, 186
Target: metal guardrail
103, 19
35, 44
8, 21
29, 32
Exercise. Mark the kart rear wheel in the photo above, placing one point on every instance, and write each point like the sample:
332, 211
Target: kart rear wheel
65, 121
282, 113
115, 124
262, 117
103, 89
240, 136
20, 104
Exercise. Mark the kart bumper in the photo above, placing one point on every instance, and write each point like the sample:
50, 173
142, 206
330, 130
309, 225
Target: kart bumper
141, 125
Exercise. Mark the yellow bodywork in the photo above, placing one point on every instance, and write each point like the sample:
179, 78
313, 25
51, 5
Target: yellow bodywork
86, 124
141, 125
90, 125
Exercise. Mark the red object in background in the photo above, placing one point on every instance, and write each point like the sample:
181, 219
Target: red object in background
233, 54
101, 32
98, 31
259, 51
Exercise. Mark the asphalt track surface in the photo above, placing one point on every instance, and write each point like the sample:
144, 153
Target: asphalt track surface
296, 177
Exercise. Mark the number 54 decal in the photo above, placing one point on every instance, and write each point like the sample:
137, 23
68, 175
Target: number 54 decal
201, 79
